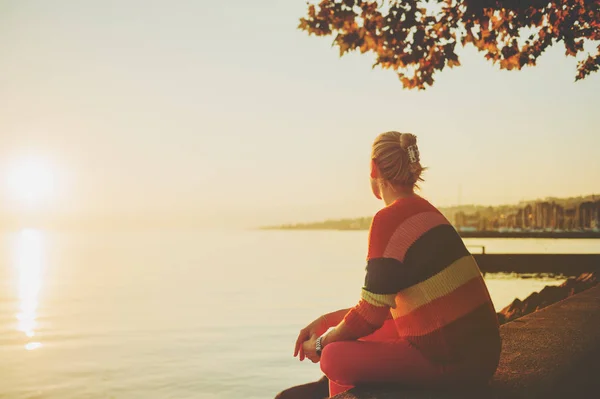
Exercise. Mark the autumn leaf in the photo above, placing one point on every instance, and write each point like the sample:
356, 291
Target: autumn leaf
453, 63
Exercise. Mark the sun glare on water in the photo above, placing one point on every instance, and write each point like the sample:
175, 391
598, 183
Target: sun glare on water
29, 263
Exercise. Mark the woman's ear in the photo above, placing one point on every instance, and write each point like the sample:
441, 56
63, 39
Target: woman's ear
374, 170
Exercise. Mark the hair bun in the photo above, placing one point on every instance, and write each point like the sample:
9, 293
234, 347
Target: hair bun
407, 140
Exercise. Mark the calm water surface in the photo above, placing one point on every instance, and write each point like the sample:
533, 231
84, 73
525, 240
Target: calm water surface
184, 314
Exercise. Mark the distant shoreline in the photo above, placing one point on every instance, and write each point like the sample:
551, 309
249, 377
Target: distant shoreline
466, 234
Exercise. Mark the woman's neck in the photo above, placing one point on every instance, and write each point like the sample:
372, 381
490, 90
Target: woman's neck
392, 195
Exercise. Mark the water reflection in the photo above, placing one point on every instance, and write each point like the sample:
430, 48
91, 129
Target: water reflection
29, 263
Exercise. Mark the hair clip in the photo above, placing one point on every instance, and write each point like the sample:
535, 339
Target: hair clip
413, 153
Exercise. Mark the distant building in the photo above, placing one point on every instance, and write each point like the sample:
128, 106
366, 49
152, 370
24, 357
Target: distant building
512, 221
595, 222
465, 222
527, 216
570, 219
558, 217
542, 212
589, 214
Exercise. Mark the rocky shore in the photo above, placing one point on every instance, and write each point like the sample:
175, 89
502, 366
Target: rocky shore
547, 296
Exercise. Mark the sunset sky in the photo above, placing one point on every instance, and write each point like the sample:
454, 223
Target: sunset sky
224, 110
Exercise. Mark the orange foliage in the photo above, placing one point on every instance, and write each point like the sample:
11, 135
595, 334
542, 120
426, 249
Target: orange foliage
418, 38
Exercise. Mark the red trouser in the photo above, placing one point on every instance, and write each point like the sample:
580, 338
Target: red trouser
384, 357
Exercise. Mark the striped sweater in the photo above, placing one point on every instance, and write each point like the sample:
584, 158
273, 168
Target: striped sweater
420, 272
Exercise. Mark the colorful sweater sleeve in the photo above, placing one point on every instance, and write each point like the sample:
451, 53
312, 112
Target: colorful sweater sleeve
376, 298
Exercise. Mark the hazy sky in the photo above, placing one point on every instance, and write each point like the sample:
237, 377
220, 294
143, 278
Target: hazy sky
226, 110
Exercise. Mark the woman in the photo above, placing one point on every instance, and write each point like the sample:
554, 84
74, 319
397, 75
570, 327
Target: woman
425, 316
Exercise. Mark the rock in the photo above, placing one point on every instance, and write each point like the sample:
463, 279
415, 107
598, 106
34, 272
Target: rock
312, 390
547, 296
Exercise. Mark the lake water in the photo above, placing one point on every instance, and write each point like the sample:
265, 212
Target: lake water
195, 314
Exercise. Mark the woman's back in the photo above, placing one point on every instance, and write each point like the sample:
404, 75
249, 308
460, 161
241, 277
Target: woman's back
442, 305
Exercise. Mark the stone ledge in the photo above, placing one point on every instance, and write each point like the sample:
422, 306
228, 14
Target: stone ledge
552, 353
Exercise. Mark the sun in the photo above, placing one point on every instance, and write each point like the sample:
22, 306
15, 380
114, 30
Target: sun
30, 181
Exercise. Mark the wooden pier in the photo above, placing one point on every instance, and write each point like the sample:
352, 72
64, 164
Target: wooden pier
563, 264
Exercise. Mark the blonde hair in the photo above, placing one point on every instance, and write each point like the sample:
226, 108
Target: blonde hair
391, 155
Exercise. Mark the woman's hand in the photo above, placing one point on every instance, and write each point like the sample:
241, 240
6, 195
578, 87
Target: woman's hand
310, 333
310, 349
316, 329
